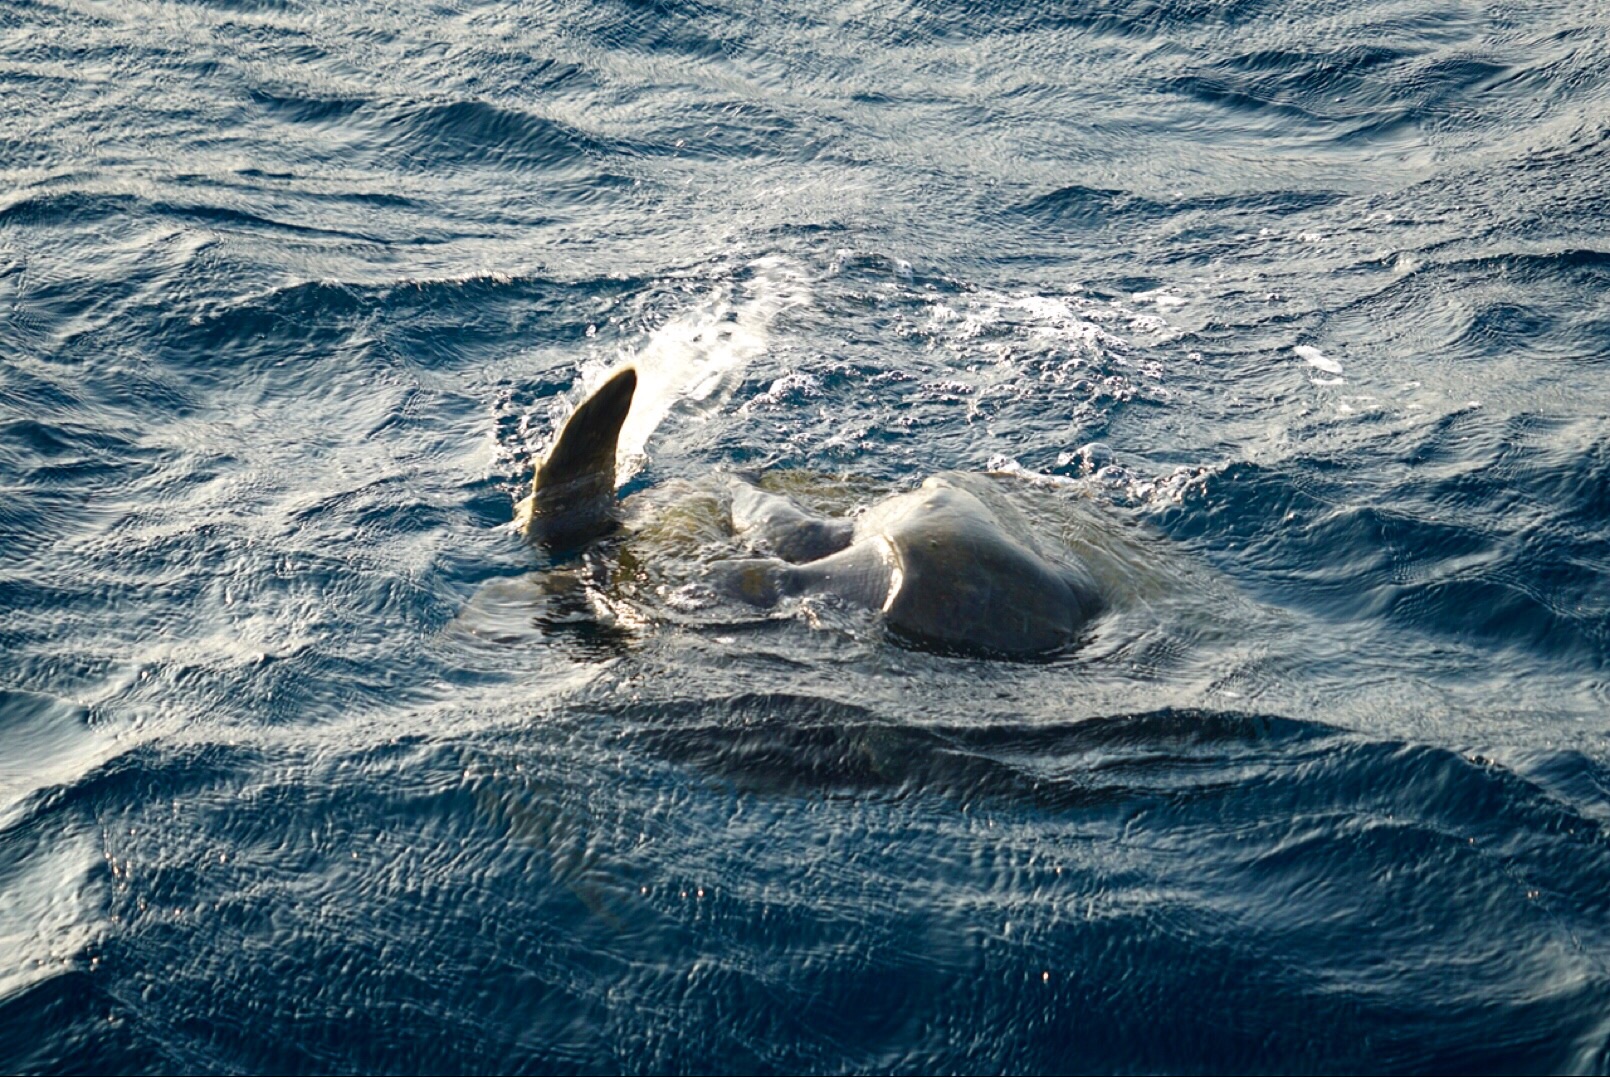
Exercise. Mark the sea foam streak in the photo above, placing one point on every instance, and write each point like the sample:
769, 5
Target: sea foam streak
694, 361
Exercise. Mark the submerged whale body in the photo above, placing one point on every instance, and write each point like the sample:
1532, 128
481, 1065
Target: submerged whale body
950, 564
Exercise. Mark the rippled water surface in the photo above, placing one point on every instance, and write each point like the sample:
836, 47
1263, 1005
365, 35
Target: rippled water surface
1295, 312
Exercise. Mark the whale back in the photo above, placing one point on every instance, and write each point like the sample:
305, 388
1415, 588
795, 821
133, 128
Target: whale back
969, 574
573, 491
953, 564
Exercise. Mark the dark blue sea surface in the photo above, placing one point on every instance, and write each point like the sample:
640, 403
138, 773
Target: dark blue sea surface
1296, 312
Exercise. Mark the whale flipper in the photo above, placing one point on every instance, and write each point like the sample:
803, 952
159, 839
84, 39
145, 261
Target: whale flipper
573, 490
782, 527
861, 574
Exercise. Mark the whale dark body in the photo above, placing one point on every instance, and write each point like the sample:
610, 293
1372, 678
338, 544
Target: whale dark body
950, 564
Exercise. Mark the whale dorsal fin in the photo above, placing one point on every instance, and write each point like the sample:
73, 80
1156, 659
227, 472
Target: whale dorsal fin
573, 491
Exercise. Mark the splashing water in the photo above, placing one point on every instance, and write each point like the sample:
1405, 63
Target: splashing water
692, 363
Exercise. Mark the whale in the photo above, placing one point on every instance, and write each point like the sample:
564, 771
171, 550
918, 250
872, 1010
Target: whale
951, 565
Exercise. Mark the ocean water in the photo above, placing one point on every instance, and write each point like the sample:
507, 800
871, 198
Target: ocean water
1297, 312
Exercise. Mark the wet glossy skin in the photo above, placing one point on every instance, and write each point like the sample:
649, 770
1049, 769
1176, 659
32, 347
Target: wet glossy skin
946, 564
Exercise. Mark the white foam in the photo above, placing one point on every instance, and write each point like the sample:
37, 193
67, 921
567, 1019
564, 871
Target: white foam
797, 385
1161, 297
1006, 465
1065, 317
694, 361
1318, 359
